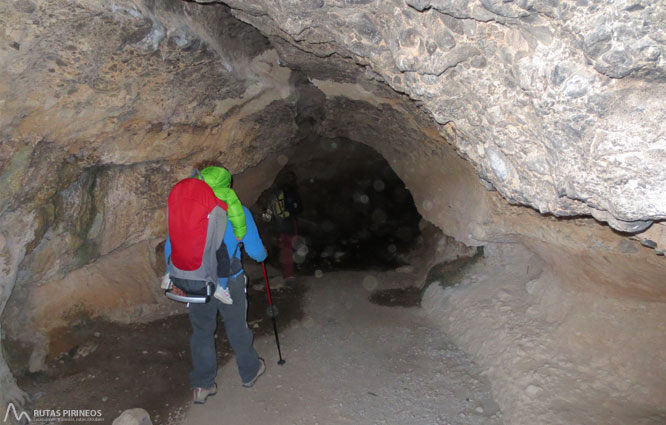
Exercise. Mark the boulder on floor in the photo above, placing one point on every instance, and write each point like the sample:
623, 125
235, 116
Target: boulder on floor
133, 417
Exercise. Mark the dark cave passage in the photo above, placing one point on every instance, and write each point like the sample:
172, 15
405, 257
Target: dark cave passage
356, 212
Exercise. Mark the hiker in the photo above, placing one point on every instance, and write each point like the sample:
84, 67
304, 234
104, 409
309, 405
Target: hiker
204, 316
284, 206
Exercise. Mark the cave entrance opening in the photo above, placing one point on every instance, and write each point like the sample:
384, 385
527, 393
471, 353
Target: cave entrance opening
356, 213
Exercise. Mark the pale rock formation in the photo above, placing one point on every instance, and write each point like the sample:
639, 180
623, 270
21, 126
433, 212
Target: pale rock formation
559, 105
133, 417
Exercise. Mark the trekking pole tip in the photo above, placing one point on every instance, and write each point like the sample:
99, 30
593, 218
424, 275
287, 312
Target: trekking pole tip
281, 362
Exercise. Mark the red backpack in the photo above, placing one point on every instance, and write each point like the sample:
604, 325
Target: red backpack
197, 220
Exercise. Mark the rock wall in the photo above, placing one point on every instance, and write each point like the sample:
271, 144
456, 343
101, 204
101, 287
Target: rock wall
104, 106
554, 354
559, 105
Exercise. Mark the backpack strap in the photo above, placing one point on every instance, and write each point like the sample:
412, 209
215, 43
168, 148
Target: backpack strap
238, 245
235, 265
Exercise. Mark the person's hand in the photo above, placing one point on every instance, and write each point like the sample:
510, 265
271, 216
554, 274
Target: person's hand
166, 282
176, 290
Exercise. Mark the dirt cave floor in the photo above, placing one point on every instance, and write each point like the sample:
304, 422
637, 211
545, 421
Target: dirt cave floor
352, 361
113, 367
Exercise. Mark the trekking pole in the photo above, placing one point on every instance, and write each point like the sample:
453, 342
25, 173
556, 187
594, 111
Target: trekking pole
272, 312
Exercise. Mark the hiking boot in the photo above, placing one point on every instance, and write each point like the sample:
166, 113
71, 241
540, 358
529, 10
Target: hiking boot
223, 295
262, 369
201, 394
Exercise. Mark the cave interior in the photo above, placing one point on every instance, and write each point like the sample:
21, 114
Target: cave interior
446, 180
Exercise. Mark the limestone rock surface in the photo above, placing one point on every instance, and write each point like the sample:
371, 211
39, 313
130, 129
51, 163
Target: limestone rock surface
559, 105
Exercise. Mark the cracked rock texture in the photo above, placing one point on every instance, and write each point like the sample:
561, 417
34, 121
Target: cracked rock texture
559, 105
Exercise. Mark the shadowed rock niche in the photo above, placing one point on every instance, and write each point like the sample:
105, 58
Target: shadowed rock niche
535, 130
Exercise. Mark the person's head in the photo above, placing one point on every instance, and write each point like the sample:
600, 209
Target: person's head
287, 178
218, 178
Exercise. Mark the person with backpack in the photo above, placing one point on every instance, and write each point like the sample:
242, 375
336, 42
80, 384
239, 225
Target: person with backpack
191, 215
284, 207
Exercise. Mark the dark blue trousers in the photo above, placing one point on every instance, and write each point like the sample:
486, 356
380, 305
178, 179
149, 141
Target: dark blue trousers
202, 343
